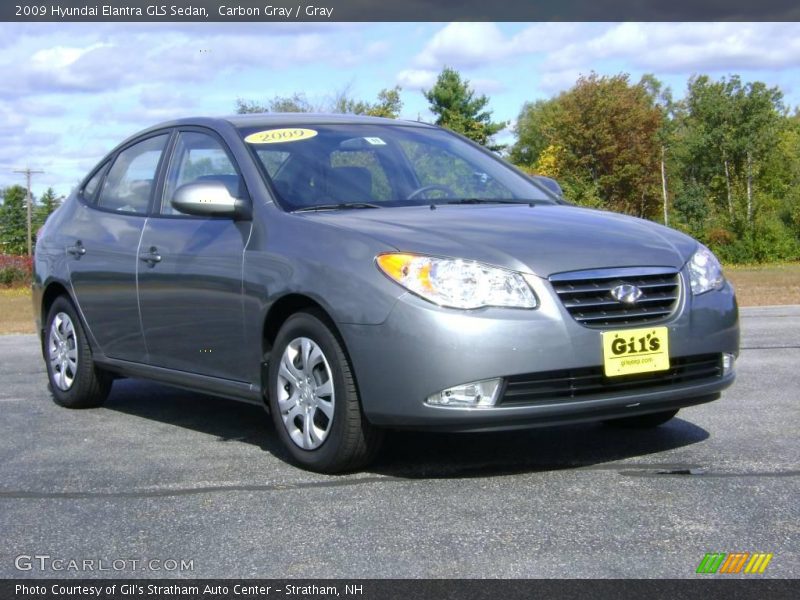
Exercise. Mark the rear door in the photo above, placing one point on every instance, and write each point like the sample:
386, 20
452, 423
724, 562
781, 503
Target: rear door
190, 269
102, 241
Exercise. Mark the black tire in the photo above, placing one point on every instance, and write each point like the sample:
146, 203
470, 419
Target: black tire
351, 441
89, 386
647, 421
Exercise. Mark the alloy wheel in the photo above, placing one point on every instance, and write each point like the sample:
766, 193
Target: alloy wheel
305, 393
63, 351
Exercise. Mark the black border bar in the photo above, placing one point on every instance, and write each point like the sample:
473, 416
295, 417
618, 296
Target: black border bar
701, 587
284, 11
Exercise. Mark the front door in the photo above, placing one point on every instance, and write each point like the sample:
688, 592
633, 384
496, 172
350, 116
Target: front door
190, 270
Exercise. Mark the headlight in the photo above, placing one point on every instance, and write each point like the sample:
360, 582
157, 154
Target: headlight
457, 283
705, 272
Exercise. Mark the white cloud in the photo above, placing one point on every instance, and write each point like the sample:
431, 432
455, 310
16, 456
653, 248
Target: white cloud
172, 56
553, 82
11, 121
565, 50
681, 47
416, 79
463, 45
466, 45
59, 57
78, 89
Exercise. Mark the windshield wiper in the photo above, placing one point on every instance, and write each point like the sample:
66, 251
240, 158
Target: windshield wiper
485, 201
339, 206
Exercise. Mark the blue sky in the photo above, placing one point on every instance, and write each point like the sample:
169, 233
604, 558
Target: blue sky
72, 91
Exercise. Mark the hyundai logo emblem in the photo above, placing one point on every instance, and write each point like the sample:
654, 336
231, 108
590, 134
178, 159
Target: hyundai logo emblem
626, 293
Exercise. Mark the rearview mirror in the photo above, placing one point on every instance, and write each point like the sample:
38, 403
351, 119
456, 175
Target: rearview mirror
208, 199
550, 184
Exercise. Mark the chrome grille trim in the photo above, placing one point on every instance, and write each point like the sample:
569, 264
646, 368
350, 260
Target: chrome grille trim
586, 295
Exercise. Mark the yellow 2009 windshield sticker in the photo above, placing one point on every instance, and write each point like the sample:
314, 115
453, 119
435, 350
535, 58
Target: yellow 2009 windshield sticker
279, 136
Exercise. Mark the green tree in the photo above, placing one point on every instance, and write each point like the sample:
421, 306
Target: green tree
47, 204
739, 146
535, 130
761, 118
13, 221
730, 130
342, 102
661, 97
781, 174
388, 104
458, 108
296, 103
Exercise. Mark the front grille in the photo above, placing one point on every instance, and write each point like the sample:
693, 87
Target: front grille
574, 383
587, 295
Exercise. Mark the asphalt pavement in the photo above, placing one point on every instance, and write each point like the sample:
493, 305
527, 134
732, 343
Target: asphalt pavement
160, 477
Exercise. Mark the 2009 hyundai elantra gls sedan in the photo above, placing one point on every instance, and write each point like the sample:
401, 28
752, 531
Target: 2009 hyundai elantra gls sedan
356, 274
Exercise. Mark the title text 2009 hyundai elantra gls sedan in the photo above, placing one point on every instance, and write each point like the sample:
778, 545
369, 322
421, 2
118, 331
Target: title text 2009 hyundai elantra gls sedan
356, 274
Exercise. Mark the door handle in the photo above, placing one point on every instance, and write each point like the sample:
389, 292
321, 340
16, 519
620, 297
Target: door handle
77, 250
151, 257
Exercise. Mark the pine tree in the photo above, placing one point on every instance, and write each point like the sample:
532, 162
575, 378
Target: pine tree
457, 107
46, 206
13, 221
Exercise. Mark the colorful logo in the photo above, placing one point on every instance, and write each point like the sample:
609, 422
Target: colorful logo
735, 562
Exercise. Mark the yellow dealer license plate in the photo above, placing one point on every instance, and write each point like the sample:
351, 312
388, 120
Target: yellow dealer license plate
630, 351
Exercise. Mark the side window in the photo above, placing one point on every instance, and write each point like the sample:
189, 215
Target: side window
89, 191
198, 157
130, 180
439, 167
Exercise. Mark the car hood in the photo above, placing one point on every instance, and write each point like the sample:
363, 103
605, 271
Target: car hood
542, 239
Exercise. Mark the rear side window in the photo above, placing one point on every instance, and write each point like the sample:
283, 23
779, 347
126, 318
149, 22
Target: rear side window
89, 192
198, 157
130, 181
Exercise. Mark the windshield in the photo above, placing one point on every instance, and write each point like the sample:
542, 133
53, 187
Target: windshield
367, 166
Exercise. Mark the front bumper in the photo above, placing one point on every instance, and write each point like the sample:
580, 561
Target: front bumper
421, 349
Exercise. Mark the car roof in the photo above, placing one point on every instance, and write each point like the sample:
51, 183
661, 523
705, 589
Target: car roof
268, 120
281, 119
271, 119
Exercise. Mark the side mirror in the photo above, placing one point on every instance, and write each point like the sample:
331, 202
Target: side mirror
550, 184
209, 199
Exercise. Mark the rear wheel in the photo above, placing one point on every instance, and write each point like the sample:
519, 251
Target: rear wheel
643, 421
314, 401
75, 382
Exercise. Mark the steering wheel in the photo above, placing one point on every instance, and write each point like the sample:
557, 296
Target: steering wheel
429, 188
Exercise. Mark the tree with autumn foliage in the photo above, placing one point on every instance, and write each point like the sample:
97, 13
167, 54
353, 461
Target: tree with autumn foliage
600, 140
722, 163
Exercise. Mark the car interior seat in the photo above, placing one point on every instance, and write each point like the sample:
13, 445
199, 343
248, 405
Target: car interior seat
350, 184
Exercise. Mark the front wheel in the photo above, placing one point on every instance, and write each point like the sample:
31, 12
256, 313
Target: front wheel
75, 382
643, 421
314, 400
